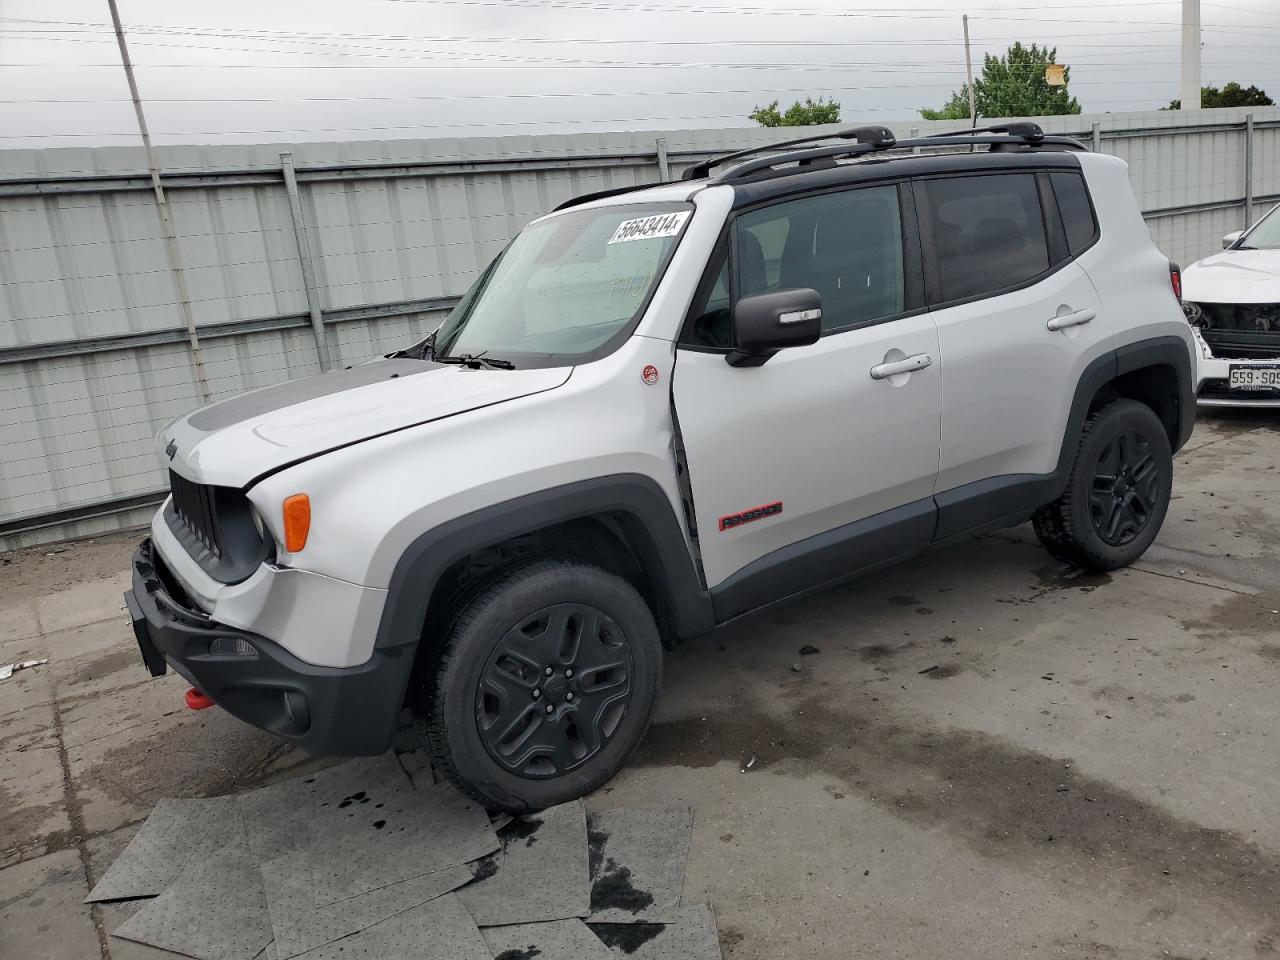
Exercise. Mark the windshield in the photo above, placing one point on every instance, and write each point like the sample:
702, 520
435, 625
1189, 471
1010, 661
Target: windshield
1266, 235
565, 286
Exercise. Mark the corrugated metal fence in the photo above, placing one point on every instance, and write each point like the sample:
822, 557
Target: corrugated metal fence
94, 358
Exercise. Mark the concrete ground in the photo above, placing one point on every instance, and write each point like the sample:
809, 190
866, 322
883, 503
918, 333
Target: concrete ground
989, 756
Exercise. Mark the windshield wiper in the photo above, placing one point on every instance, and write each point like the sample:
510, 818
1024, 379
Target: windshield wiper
476, 360
422, 350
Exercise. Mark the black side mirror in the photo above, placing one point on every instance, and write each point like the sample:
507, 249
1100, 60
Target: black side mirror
768, 322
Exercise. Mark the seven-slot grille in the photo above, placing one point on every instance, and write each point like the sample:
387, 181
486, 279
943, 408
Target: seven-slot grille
194, 505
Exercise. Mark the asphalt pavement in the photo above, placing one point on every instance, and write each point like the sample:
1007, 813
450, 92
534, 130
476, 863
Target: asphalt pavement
979, 754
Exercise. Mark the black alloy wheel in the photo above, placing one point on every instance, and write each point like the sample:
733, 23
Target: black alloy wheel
1126, 488
546, 679
555, 690
1117, 493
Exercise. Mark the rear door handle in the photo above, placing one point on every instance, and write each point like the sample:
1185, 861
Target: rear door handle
882, 371
1071, 319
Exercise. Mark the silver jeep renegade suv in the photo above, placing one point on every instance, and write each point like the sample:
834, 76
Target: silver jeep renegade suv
660, 409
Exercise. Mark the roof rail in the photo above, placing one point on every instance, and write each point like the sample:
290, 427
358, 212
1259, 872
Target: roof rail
807, 159
1019, 135
876, 136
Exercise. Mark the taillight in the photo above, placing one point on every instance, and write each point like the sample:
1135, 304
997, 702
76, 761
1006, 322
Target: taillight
1175, 280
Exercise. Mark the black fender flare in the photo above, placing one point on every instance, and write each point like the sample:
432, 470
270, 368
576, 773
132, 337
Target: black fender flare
1159, 351
1172, 352
652, 528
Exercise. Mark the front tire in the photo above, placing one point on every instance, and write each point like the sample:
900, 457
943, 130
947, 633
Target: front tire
1118, 491
546, 682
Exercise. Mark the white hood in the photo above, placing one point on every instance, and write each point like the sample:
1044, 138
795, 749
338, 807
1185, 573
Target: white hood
1234, 276
234, 442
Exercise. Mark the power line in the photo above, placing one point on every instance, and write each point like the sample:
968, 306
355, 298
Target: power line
393, 53
448, 126
1253, 12
945, 78
602, 41
566, 63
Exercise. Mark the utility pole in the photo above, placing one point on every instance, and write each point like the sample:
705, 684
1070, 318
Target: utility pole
968, 72
1190, 85
162, 206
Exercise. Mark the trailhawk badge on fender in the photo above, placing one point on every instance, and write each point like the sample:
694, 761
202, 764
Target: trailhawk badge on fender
731, 520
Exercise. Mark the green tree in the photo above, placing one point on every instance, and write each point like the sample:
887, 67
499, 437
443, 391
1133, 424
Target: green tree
1231, 95
799, 114
1012, 85
957, 108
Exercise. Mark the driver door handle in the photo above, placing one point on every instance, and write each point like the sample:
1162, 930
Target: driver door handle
1071, 319
882, 371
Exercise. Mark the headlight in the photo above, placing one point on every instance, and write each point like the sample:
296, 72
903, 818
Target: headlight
1195, 316
260, 525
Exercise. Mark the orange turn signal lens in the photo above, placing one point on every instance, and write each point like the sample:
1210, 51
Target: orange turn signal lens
297, 521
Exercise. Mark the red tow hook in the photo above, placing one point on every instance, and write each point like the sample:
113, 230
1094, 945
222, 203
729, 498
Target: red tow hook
198, 699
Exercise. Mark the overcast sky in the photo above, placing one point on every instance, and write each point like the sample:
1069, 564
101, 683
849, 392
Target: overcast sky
236, 71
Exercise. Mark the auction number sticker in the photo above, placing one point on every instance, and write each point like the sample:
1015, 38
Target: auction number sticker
650, 228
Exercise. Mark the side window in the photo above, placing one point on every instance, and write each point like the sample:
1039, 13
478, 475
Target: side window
988, 232
1075, 210
847, 246
710, 326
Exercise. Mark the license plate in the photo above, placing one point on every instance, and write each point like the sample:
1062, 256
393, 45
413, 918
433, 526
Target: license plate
1254, 378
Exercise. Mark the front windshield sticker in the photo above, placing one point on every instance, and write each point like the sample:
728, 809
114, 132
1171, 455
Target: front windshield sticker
649, 228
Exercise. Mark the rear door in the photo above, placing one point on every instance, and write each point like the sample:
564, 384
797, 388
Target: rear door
810, 465
1018, 321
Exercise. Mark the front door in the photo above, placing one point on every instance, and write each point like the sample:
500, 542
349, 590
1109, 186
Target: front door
822, 460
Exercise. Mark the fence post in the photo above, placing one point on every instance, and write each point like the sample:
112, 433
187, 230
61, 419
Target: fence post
1096, 136
664, 167
304, 259
1248, 170
913, 133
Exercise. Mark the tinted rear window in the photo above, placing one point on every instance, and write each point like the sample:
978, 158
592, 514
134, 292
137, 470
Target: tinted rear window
1075, 210
988, 233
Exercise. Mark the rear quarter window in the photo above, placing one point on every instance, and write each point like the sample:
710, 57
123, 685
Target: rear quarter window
988, 233
1075, 210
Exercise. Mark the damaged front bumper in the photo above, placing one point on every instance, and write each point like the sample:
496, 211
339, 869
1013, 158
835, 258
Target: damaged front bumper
1237, 380
346, 711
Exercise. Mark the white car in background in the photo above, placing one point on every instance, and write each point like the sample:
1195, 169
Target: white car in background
1232, 300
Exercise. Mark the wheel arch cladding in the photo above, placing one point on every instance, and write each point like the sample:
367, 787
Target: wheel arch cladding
632, 507
1156, 372
1154, 386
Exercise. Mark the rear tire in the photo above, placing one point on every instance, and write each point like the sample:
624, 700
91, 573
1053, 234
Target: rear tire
1118, 491
516, 737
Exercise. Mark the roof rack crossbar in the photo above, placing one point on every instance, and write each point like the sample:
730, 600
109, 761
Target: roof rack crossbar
1031, 132
804, 157
801, 157
879, 137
